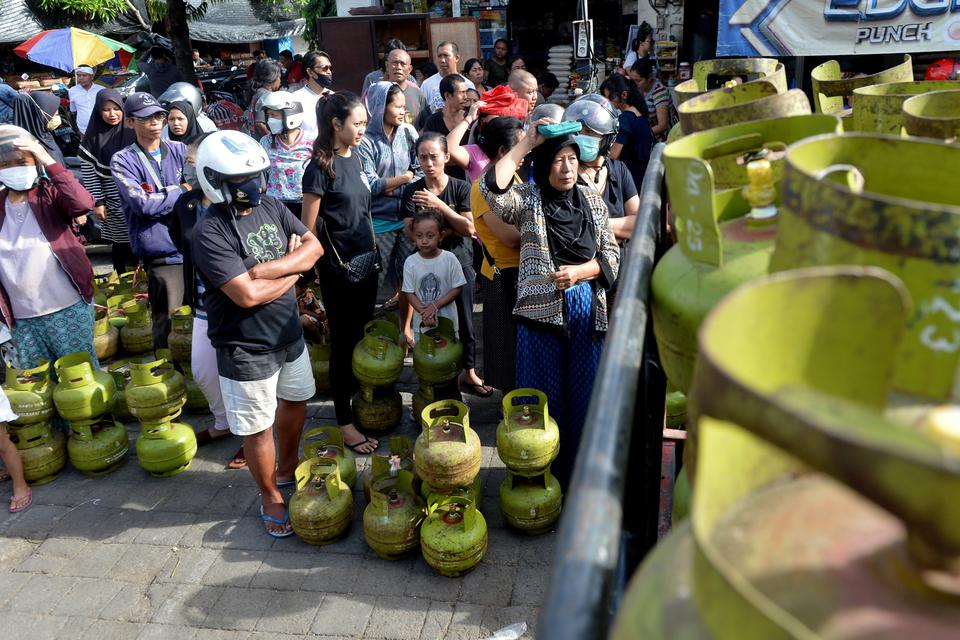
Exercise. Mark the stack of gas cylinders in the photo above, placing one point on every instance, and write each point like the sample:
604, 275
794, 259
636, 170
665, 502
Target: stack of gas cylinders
43, 450
528, 440
377, 364
437, 361
810, 309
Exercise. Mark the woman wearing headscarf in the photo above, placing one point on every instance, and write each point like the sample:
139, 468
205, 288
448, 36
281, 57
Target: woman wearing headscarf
181, 122
39, 114
106, 134
568, 258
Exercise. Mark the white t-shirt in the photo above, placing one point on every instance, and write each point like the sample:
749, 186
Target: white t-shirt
431, 88
34, 280
81, 103
308, 99
430, 278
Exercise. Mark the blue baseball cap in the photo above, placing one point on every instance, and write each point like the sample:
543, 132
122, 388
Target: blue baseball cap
141, 104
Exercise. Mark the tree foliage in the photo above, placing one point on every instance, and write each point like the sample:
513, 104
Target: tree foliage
88, 9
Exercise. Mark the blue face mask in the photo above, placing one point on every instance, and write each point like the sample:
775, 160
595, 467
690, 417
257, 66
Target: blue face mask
246, 194
589, 147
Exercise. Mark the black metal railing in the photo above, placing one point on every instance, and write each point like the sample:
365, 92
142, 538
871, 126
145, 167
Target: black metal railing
610, 510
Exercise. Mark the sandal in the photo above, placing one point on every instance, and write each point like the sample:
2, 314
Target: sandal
268, 518
355, 447
239, 460
283, 484
392, 304
480, 390
4, 475
20, 504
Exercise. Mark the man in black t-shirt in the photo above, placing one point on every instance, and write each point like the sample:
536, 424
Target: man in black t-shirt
249, 251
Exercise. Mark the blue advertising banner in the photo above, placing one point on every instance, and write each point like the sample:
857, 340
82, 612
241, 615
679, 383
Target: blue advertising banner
836, 27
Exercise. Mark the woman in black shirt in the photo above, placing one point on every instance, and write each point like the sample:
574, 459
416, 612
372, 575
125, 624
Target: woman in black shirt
336, 206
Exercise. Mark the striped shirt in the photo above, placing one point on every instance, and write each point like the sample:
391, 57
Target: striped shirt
97, 179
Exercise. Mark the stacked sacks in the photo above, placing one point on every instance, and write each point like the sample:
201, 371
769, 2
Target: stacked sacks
437, 360
447, 457
84, 395
377, 364
155, 396
322, 508
528, 440
42, 450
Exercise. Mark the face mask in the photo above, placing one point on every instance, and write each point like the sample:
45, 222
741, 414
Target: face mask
275, 125
246, 194
20, 178
324, 81
589, 147
190, 176
54, 123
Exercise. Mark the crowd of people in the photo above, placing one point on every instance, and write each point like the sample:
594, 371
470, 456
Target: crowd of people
433, 189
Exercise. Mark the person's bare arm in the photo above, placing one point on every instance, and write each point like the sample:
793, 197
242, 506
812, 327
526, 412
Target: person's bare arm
247, 292
460, 222
570, 274
298, 260
459, 155
623, 227
663, 119
310, 211
616, 150
506, 233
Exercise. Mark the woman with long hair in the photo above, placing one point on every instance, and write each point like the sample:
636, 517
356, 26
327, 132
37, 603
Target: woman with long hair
500, 243
336, 207
266, 78
635, 139
106, 134
568, 259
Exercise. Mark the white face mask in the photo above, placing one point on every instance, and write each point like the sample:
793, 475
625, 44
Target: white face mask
275, 125
54, 123
20, 178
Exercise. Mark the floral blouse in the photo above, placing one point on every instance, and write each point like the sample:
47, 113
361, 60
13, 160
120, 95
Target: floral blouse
287, 164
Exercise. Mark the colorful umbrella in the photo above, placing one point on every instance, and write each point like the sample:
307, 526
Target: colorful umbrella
69, 48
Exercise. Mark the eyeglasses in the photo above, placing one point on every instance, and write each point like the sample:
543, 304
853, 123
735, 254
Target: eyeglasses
323, 68
157, 117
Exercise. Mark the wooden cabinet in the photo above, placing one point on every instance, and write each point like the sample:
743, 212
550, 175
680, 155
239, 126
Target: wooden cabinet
355, 44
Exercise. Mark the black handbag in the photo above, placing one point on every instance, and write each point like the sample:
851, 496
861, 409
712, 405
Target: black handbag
361, 266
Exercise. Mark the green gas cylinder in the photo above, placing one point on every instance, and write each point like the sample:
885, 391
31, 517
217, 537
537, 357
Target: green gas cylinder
438, 354
106, 337
115, 310
528, 438
43, 451
377, 358
400, 458
845, 202
428, 393
802, 525
531, 503
30, 393
320, 363
447, 452
137, 334
472, 492
97, 448
327, 443
166, 448
740, 103
157, 391
878, 108
933, 115
120, 370
196, 401
712, 74
180, 338
381, 413
719, 245
321, 510
453, 538
391, 522
830, 88
83, 393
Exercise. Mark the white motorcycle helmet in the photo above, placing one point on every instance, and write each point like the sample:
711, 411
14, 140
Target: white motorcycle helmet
182, 92
228, 154
15, 173
284, 102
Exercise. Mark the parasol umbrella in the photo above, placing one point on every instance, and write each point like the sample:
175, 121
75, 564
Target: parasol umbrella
69, 48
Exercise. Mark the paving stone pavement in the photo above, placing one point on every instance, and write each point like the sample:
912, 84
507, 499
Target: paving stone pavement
129, 556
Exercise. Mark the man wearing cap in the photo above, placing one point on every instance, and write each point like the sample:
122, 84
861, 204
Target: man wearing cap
82, 96
149, 177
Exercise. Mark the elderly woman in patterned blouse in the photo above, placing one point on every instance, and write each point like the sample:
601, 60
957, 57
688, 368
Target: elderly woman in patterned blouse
568, 258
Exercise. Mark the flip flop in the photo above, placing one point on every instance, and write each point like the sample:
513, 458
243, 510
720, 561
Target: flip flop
360, 444
239, 460
480, 390
272, 520
4, 475
24, 503
283, 484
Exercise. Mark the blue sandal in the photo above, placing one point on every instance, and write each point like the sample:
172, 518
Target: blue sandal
271, 519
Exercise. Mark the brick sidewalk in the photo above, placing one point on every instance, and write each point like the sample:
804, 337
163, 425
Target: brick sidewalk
130, 556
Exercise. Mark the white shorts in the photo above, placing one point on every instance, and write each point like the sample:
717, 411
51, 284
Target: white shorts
252, 404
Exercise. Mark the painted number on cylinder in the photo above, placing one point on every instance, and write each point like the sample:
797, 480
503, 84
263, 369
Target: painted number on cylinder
931, 335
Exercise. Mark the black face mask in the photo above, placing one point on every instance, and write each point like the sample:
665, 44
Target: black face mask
324, 81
